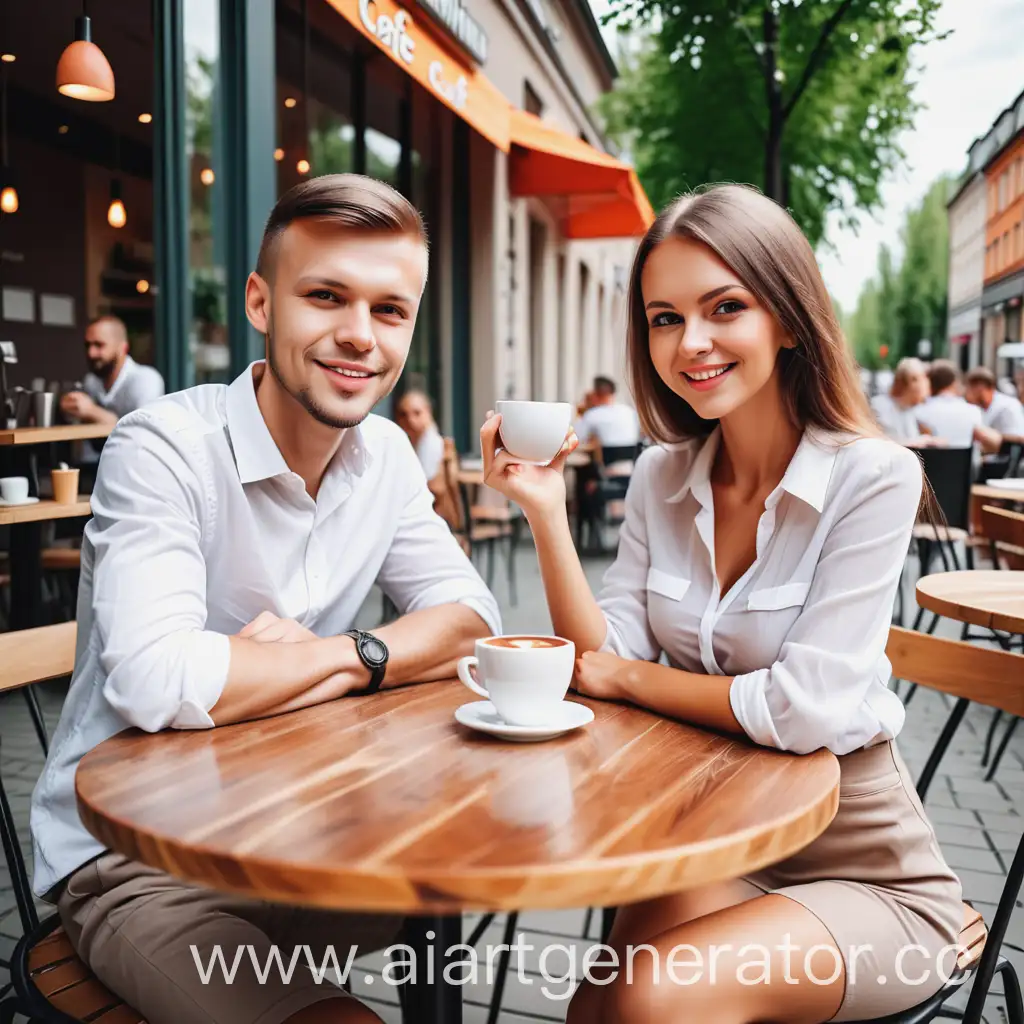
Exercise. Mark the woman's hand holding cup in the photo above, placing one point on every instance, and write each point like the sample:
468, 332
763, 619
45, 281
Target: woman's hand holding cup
538, 490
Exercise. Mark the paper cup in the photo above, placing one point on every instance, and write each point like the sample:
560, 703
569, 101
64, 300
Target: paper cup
65, 486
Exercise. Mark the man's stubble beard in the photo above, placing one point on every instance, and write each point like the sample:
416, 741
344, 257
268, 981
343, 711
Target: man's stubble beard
304, 396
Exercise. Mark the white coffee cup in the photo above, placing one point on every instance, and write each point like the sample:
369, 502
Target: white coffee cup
534, 431
14, 488
524, 683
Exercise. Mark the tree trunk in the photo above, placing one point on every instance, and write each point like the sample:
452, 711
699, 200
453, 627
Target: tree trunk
773, 179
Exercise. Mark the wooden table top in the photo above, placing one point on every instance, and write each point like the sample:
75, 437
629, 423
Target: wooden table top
45, 508
991, 598
385, 803
64, 432
997, 492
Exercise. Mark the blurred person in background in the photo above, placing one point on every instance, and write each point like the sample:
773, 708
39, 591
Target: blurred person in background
949, 417
897, 411
999, 412
608, 423
115, 385
414, 413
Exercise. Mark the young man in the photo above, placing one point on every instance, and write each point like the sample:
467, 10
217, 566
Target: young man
236, 532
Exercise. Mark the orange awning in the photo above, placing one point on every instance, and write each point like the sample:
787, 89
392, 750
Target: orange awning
456, 82
594, 194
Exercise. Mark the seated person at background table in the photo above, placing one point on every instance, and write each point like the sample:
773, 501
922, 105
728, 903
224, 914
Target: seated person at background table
763, 543
949, 417
414, 413
1001, 413
607, 422
114, 386
236, 532
896, 411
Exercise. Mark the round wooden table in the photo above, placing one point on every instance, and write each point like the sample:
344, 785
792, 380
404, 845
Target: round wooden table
385, 803
991, 598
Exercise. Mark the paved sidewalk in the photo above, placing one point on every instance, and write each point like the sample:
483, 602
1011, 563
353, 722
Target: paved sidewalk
978, 822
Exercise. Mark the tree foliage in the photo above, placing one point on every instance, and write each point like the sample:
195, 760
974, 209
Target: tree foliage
906, 304
805, 98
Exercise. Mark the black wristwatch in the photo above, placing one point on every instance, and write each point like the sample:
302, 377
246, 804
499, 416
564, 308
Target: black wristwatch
373, 653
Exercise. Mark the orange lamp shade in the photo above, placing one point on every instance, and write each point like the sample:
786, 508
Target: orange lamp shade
83, 71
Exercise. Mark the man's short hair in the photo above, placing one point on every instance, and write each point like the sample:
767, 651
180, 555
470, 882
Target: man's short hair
604, 385
982, 375
352, 201
942, 374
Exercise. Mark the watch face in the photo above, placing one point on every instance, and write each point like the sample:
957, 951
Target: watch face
374, 650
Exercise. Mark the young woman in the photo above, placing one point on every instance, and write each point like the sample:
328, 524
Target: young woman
761, 551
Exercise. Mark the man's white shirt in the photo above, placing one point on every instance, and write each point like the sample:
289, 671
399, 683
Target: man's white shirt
951, 418
614, 426
1004, 414
198, 526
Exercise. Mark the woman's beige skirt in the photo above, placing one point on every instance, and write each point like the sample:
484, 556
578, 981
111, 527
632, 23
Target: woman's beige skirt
877, 880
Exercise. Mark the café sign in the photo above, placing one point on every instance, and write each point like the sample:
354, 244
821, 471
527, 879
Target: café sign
393, 32
454, 17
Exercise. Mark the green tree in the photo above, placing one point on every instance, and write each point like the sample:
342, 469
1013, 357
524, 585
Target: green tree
924, 275
805, 97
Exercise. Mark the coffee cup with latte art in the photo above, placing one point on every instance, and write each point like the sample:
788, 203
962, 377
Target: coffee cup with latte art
525, 677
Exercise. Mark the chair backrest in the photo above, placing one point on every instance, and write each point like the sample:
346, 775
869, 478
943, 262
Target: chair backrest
984, 676
451, 505
949, 471
979, 674
33, 655
1003, 526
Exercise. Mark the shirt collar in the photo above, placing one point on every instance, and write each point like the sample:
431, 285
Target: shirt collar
123, 374
807, 476
257, 456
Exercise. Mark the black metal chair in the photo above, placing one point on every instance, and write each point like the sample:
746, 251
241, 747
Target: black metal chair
610, 471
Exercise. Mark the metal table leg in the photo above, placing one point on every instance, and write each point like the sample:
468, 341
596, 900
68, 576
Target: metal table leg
428, 999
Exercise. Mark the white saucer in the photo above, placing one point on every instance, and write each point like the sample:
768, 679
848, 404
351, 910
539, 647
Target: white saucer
482, 716
1012, 483
11, 504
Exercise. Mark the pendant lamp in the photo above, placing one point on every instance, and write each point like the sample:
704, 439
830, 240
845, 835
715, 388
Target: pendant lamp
8, 191
83, 71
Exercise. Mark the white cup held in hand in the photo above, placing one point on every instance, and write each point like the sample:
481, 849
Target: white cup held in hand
533, 431
525, 677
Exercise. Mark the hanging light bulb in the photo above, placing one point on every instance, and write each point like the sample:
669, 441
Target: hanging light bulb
279, 154
117, 216
302, 166
206, 176
83, 71
142, 286
9, 199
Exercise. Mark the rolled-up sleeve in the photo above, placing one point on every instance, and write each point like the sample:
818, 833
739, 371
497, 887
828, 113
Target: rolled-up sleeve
814, 694
163, 668
623, 594
425, 566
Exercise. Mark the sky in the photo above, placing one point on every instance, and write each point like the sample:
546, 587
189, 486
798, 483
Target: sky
964, 83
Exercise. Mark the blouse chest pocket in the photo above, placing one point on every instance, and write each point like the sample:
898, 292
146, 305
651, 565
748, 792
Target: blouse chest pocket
666, 584
789, 595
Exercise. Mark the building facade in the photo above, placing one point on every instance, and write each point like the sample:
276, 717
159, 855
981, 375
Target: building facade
1004, 243
966, 269
479, 111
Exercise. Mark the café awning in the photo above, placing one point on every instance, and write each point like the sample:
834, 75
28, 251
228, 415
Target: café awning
594, 194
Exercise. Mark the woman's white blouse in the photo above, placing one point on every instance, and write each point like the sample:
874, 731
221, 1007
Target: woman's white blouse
803, 631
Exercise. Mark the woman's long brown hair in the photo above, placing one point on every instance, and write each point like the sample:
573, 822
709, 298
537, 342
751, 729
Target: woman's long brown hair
763, 246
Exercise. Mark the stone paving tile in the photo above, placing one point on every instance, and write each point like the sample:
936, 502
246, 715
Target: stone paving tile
979, 824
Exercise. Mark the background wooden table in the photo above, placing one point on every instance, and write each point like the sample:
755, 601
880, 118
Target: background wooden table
991, 598
42, 510
62, 432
